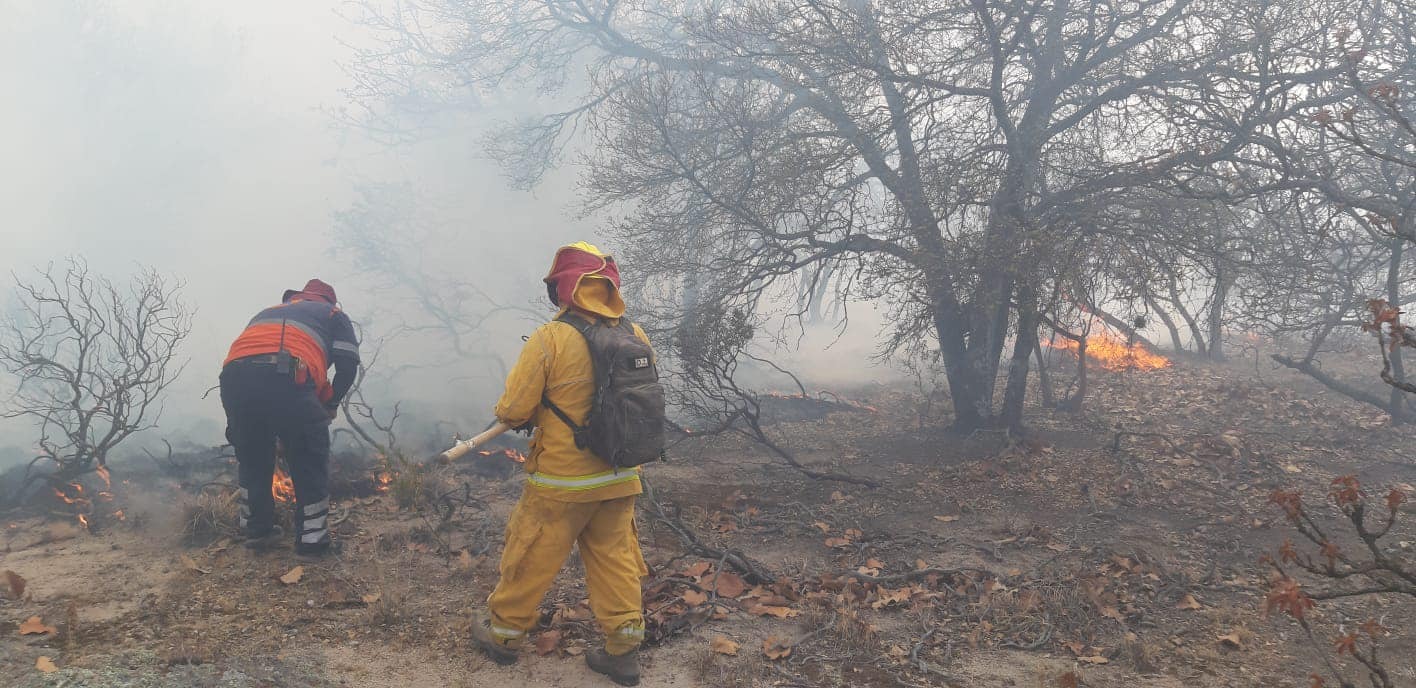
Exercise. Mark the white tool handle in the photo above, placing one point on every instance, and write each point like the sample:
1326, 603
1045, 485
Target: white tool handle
461, 448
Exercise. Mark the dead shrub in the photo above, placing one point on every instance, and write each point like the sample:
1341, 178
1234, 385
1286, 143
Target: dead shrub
213, 515
407, 487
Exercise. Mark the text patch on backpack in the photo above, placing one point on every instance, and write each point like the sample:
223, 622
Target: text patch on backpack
641, 362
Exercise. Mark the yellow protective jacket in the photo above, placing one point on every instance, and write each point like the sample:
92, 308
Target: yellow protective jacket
556, 362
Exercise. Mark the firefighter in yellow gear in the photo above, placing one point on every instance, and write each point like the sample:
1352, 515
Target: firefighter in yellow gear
571, 495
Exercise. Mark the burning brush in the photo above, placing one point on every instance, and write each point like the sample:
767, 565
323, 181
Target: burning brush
1108, 352
77, 499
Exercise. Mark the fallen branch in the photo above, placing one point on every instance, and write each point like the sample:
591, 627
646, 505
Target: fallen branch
1332, 383
750, 570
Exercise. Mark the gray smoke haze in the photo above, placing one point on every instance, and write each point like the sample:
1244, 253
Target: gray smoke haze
204, 139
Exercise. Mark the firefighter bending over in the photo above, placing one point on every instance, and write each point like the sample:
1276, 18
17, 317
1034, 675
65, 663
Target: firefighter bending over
274, 385
583, 463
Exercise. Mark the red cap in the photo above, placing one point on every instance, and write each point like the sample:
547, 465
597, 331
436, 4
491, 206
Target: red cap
314, 288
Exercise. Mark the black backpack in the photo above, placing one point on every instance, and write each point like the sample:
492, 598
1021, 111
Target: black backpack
626, 422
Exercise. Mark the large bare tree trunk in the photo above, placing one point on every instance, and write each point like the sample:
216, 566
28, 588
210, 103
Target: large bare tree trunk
1016, 393
1219, 296
1196, 333
1399, 412
964, 387
1175, 341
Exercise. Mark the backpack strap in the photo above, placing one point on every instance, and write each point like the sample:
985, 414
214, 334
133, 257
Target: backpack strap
582, 326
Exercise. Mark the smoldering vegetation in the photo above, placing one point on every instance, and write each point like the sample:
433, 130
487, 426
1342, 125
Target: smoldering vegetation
1011, 342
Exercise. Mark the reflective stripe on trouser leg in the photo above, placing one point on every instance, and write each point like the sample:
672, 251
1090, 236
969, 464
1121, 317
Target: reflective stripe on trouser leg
507, 635
243, 500
614, 566
539, 536
314, 520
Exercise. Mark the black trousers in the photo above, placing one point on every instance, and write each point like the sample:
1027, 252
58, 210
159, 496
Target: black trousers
263, 406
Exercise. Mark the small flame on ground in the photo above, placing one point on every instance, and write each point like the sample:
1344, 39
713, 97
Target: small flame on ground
119, 515
83, 520
382, 480
508, 453
102, 472
282, 487
1112, 353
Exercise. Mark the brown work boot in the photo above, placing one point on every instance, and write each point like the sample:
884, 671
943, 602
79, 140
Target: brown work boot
488, 642
622, 669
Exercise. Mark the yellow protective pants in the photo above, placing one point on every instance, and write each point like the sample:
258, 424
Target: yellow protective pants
539, 536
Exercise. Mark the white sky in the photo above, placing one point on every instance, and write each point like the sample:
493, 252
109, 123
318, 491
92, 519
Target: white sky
195, 136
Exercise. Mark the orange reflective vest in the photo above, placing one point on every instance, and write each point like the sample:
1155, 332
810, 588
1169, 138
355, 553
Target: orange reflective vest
314, 332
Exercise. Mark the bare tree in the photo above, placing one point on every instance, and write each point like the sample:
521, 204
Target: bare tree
936, 156
91, 361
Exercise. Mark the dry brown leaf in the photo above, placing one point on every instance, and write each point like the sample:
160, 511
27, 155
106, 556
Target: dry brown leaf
293, 576
370, 599
1094, 659
35, 626
1112, 613
191, 565
697, 570
694, 598
45, 665
946, 519
1189, 602
854, 533
768, 610
776, 647
837, 542
17, 584
726, 583
822, 526
1069, 680
1232, 640
547, 642
464, 560
888, 597
724, 645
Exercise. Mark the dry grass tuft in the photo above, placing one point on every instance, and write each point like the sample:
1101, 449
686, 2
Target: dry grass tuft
212, 516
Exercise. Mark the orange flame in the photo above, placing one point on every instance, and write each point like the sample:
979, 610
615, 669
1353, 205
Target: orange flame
102, 472
1112, 353
282, 487
382, 480
508, 453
